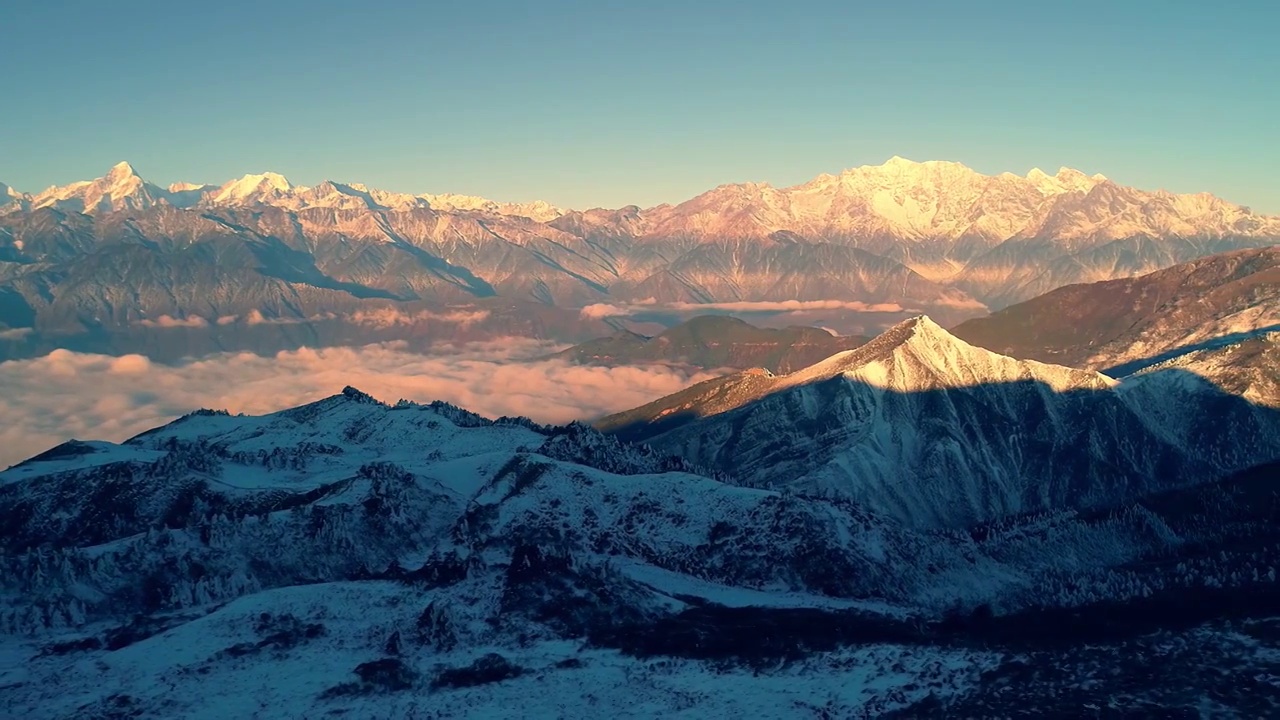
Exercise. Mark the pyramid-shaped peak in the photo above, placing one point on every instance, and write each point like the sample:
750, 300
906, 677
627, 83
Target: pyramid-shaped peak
121, 170
920, 328
918, 354
917, 334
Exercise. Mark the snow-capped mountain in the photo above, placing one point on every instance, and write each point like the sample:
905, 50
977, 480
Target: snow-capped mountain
349, 556
121, 189
259, 189
990, 235
537, 210
855, 252
923, 427
12, 199
901, 199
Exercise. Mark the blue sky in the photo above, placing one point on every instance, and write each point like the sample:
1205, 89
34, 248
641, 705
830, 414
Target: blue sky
610, 103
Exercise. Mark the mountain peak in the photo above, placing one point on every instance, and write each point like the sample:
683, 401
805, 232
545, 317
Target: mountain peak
918, 354
273, 180
916, 333
253, 187
1071, 175
916, 326
120, 171
358, 396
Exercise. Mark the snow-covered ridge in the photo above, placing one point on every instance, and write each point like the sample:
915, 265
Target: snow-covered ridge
931, 202
906, 199
914, 356
123, 189
922, 427
353, 558
918, 354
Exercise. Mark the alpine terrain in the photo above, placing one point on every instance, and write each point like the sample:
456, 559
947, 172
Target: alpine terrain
923, 427
912, 528
1120, 325
119, 264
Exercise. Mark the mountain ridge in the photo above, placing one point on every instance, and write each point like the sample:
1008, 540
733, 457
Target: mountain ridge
912, 215
920, 426
855, 252
378, 555
1127, 321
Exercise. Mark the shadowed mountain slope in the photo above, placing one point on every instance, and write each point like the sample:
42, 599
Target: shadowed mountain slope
925, 428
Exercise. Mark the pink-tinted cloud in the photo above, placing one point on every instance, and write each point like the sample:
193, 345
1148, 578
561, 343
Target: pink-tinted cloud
64, 394
603, 310
390, 317
255, 317
166, 321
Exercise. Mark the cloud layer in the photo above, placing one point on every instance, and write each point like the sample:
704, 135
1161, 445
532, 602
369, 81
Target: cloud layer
380, 318
603, 310
64, 394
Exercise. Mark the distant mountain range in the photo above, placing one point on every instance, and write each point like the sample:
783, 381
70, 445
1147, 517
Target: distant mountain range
121, 263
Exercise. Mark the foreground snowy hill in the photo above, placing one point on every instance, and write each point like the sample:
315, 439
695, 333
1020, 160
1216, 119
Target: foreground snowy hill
353, 557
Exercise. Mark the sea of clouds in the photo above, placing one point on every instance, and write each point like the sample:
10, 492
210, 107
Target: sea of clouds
48, 400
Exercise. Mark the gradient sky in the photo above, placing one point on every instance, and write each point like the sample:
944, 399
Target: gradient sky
610, 103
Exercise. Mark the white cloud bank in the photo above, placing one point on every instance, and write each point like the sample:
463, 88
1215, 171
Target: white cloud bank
167, 321
64, 394
604, 310
380, 318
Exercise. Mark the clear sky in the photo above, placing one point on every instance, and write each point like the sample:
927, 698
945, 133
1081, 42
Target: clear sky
607, 103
